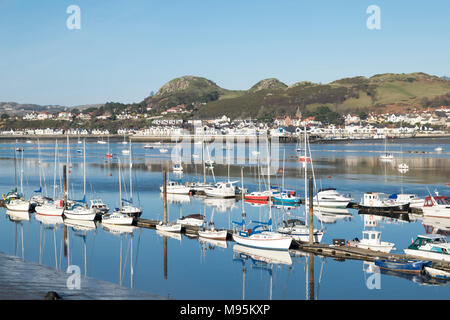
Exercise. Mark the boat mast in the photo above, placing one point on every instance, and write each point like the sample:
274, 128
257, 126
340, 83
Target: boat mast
305, 164
54, 173
84, 167
120, 187
21, 175
268, 178
131, 180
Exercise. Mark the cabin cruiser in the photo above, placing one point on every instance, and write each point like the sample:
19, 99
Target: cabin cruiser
176, 188
196, 220
437, 206
221, 190
331, 198
374, 201
431, 246
98, 206
371, 239
404, 198
117, 218
297, 230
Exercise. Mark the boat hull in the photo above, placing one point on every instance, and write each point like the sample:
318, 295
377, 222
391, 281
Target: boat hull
213, 234
409, 267
427, 254
169, 227
46, 210
264, 242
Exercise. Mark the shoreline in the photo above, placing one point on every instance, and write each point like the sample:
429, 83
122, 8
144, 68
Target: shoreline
224, 138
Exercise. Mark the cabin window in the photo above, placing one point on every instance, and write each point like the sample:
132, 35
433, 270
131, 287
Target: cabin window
436, 249
373, 236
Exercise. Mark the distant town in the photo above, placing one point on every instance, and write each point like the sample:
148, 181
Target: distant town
170, 123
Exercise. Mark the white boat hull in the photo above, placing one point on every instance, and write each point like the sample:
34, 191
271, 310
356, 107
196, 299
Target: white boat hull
85, 215
213, 234
190, 222
388, 247
330, 204
175, 227
18, 205
265, 240
436, 212
49, 210
427, 254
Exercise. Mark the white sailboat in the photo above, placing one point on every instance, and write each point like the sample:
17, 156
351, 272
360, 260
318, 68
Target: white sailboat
261, 236
210, 232
293, 228
165, 225
386, 156
130, 208
117, 217
79, 210
18, 203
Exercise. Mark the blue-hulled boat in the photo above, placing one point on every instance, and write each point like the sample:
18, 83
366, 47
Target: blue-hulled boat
410, 266
286, 197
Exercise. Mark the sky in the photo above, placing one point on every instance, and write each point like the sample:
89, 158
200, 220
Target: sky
123, 50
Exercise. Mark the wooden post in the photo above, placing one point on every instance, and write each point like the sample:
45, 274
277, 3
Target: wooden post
165, 195
311, 216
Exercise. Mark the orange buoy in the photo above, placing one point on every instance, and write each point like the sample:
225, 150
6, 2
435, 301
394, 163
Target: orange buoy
447, 184
329, 177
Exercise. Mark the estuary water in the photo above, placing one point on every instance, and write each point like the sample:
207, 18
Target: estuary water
182, 267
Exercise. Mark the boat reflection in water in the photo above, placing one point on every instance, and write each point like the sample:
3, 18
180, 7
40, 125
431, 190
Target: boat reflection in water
17, 216
263, 255
172, 235
332, 215
436, 225
221, 204
80, 225
177, 198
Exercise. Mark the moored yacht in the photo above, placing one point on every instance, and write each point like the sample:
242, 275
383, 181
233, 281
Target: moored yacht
431, 246
176, 188
331, 198
221, 190
437, 206
371, 239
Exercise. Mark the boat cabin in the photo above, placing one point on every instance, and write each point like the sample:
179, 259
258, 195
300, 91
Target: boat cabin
372, 199
439, 200
424, 239
371, 237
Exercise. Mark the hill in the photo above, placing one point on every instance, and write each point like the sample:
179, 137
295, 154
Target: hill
380, 93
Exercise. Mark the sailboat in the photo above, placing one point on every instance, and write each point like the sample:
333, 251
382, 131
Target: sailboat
386, 156
129, 208
79, 210
117, 217
165, 225
261, 236
15, 201
211, 232
300, 231
286, 196
52, 207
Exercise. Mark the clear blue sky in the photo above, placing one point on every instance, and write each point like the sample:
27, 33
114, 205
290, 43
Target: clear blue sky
126, 49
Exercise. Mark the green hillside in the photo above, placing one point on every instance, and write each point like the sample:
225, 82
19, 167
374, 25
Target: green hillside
271, 97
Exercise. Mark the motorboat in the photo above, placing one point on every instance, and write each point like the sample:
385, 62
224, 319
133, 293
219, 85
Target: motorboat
437, 207
221, 190
286, 197
98, 206
372, 201
409, 266
199, 186
331, 198
176, 188
431, 246
163, 150
148, 146
297, 230
403, 166
195, 220
405, 198
371, 239
117, 218
168, 227
438, 149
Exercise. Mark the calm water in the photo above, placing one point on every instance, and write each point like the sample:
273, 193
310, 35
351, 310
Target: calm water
186, 268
